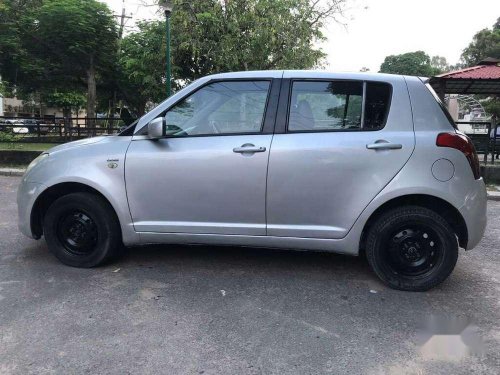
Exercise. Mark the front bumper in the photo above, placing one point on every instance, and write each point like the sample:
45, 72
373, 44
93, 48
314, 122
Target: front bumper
27, 194
474, 213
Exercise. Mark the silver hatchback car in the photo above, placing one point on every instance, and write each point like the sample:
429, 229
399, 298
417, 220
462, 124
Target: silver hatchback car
349, 163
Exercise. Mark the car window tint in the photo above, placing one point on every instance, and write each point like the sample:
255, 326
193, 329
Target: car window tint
378, 97
230, 107
321, 106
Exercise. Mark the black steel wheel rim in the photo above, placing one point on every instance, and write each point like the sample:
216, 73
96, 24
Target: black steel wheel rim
413, 250
77, 232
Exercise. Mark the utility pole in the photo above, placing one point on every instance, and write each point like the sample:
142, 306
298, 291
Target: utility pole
122, 24
167, 7
123, 17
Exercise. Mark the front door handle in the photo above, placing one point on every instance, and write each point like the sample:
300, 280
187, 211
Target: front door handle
382, 144
248, 148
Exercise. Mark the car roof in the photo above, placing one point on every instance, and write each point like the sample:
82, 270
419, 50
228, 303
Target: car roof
307, 74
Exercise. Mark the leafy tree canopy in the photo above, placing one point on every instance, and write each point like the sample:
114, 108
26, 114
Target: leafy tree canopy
69, 100
54, 44
414, 64
69, 45
142, 65
486, 43
211, 36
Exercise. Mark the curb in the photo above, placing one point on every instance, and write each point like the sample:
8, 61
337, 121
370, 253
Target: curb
12, 172
494, 197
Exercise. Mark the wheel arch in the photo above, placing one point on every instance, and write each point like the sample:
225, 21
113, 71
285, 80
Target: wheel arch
438, 205
49, 195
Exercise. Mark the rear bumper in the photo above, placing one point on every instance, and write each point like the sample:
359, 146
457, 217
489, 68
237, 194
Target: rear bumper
26, 197
474, 213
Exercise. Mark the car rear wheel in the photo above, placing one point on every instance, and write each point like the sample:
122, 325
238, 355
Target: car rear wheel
411, 248
82, 230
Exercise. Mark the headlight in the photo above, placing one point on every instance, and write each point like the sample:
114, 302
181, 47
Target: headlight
36, 161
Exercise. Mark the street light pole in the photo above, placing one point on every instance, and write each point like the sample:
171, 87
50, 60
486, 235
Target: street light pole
167, 6
169, 73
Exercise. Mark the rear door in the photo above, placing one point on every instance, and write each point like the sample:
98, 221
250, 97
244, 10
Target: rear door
338, 144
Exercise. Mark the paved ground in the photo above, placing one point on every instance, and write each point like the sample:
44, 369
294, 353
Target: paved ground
207, 310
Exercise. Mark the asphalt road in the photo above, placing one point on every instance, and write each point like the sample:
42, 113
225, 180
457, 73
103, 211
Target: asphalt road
209, 310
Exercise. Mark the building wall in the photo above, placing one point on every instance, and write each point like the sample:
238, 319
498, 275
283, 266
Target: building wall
14, 107
453, 107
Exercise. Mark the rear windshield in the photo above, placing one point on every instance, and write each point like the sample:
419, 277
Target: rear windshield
442, 106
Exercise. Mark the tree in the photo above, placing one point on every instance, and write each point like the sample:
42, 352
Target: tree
440, 65
80, 37
486, 43
492, 106
68, 101
214, 36
211, 36
58, 44
142, 66
13, 55
412, 63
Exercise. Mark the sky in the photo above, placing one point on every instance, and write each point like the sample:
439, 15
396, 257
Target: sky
377, 28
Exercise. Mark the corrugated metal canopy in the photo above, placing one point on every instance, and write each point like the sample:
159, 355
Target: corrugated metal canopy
481, 79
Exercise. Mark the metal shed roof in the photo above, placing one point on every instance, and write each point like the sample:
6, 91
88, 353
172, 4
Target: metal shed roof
481, 79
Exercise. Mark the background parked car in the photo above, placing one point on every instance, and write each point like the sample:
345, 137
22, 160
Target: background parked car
35, 126
24, 126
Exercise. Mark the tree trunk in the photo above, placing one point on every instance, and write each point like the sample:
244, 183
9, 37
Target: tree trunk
141, 109
66, 115
66, 112
91, 93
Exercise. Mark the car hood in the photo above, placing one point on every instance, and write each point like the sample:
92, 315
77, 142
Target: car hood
81, 142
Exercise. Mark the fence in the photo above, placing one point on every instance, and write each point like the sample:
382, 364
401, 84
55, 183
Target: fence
480, 132
56, 129
66, 129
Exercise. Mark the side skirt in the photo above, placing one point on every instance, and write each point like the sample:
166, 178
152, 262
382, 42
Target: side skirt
341, 246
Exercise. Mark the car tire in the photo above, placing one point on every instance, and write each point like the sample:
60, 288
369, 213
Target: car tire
411, 248
82, 230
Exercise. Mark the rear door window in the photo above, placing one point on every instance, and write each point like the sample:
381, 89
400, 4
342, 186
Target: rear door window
318, 106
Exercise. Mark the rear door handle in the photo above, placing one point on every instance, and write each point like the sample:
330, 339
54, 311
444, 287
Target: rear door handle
384, 145
248, 148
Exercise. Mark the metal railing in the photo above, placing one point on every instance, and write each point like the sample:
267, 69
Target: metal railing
480, 132
56, 129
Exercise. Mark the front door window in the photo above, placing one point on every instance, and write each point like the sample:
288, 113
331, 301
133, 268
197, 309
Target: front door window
224, 108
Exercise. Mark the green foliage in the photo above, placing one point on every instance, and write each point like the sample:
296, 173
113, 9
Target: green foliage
440, 65
56, 44
6, 136
412, 63
66, 100
211, 36
486, 43
492, 106
63, 46
142, 65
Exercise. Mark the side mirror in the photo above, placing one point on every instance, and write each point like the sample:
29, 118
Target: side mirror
156, 128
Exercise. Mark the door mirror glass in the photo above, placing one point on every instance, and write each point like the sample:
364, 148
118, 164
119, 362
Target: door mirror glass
156, 128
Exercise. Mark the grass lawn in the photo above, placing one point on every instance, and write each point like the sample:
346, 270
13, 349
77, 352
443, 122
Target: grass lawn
20, 146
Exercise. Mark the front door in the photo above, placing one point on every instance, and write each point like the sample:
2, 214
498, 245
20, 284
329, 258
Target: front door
208, 175
341, 143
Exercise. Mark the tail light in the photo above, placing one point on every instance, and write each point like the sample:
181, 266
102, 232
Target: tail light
462, 143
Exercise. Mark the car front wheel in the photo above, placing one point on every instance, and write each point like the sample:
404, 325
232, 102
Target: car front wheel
82, 230
411, 248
